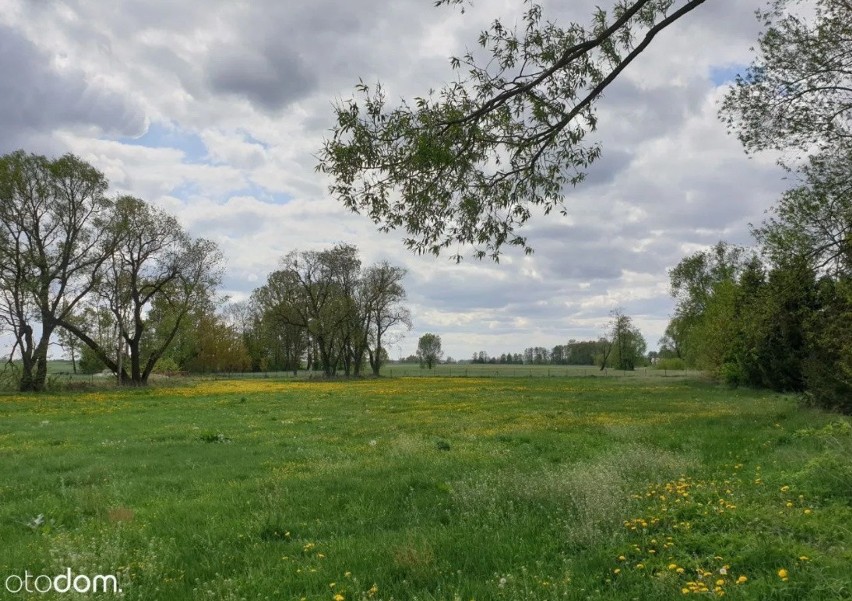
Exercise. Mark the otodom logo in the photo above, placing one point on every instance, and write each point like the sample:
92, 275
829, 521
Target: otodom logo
62, 583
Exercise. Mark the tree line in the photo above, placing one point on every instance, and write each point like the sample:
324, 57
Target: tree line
621, 346
780, 315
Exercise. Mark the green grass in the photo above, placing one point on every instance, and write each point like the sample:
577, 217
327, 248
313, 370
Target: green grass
429, 488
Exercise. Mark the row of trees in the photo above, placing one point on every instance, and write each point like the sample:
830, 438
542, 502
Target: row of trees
323, 310
622, 346
781, 315
121, 286
114, 274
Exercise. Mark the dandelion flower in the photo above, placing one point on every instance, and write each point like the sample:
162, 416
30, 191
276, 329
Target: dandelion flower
742, 580
339, 597
783, 574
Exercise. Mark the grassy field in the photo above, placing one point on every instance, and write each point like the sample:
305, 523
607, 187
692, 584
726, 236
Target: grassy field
429, 488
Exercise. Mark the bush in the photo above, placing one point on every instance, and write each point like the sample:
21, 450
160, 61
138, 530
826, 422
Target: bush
674, 364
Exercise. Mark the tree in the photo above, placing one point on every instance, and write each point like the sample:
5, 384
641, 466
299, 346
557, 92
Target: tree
693, 283
626, 341
384, 285
218, 347
467, 164
54, 240
797, 94
154, 279
813, 221
429, 350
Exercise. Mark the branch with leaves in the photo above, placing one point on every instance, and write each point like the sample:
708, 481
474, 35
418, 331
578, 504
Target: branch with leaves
467, 164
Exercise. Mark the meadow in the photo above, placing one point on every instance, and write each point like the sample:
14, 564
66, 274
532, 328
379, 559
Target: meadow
429, 488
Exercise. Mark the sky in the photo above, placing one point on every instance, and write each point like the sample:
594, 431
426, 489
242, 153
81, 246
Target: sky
215, 110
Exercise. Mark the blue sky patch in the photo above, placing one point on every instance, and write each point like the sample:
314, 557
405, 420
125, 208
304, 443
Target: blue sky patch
160, 136
721, 76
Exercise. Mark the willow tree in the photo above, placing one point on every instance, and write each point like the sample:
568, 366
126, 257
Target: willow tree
465, 165
54, 241
156, 264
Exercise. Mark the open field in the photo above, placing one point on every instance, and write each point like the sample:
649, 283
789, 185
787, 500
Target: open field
60, 373
429, 488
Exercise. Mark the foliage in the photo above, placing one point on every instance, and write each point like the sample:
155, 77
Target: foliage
796, 94
155, 277
89, 362
671, 364
429, 351
54, 240
324, 305
467, 165
627, 345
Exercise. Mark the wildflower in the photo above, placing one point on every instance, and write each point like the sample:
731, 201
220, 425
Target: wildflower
808, 512
679, 570
621, 558
785, 488
789, 504
720, 582
742, 580
640, 566
339, 597
672, 566
804, 558
616, 571
783, 574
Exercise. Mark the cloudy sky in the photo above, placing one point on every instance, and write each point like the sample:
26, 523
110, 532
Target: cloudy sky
215, 109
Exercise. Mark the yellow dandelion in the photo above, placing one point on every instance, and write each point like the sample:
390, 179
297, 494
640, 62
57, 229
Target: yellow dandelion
742, 580
616, 571
783, 574
785, 488
339, 597
804, 558
672, 566
720, 582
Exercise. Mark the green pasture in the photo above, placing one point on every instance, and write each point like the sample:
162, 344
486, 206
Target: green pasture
428, 488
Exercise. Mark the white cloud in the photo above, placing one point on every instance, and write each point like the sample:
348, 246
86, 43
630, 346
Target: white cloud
253, 83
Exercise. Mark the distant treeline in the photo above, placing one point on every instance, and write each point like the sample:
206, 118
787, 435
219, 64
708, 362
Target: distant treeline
576, 352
